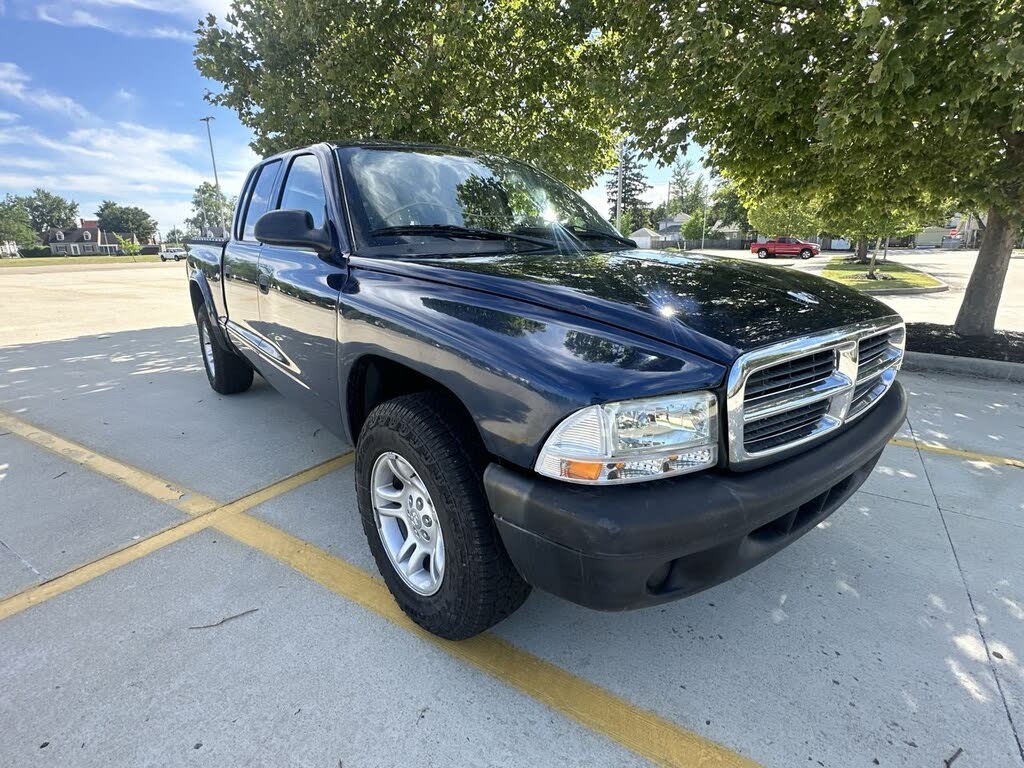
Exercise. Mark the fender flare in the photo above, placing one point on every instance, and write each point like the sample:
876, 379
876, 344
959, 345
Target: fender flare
198, 278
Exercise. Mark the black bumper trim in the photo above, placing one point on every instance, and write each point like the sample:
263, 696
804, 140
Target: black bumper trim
623, 547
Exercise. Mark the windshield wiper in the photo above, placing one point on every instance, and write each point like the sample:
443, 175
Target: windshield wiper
597, 234
454, 231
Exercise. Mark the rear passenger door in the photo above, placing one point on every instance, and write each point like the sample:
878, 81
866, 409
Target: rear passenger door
241, 260
299, 299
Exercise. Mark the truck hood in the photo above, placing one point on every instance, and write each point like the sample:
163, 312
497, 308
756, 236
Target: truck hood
717, 307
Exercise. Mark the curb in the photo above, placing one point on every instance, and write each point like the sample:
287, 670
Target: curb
996, 370
906, 291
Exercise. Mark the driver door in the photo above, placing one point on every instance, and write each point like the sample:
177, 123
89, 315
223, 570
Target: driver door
298, 301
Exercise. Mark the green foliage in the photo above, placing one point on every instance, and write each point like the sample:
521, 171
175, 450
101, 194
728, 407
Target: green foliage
34, 251
210, 208
696, 227
891, 100
15, 223
728, 208
126, 220
510, 76
174, 236
876, 110
779, 215
129, 245
634, 187
49, 211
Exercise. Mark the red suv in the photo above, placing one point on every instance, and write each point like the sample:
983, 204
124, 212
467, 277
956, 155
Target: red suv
785, 246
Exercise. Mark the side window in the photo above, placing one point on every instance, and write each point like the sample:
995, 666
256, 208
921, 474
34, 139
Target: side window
304, 188
259, 202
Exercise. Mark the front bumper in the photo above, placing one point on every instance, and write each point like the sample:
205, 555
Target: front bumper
629, 546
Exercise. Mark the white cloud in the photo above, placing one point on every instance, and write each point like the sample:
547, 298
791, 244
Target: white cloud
16, 84
8, 117
123, 94
67, 15
126, 162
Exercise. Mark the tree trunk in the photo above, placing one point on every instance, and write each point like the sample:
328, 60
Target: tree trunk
977, 315
874, 260
861, 253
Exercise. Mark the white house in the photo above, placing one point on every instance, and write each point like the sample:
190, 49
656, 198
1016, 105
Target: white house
87, 238
645, 238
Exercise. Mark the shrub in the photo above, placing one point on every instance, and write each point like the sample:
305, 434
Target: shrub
34, 251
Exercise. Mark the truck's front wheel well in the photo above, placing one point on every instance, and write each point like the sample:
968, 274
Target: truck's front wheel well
197, 295
375, 380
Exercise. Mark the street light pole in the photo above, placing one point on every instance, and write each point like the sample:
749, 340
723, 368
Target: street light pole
216, 179
213, 159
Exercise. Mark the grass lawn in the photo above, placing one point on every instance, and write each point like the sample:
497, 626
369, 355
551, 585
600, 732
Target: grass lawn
60, 261
855, 275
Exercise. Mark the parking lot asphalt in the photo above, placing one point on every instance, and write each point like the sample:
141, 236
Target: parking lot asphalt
184, 580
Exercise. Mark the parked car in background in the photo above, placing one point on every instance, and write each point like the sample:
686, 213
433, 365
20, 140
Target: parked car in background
173, 253
785, 246
535, 402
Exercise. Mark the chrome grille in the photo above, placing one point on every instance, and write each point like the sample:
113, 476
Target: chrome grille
796, 392
878, 359
791, 375
783, 427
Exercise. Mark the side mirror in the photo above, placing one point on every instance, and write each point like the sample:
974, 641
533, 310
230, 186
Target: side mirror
293, 228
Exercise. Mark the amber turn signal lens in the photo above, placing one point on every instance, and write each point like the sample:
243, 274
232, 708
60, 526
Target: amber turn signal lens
582, 470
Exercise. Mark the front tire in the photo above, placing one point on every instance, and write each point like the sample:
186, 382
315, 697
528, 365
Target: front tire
419, 471
762, 253
806, 253
227, 373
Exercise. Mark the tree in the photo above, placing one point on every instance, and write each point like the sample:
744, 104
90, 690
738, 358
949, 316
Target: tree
126, 219
695, 198
129, 245
727, 207
679, 185
49, 211
634, 187
15, 223
210, 208
174, 235
507, 76
902, 101
694, 228
776, 215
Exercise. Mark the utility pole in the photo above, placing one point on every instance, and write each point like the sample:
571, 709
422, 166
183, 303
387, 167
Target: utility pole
704, 226
618, 193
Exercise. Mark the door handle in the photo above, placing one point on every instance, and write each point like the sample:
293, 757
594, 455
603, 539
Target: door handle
263, 282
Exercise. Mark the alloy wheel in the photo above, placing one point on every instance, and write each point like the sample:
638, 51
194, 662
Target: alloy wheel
407, 523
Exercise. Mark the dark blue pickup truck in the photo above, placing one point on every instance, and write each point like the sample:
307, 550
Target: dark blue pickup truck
533, 400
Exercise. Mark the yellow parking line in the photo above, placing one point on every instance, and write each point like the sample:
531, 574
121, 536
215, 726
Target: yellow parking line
86, 573
58, 586
639, 730
971, 455
645, 733
182, 499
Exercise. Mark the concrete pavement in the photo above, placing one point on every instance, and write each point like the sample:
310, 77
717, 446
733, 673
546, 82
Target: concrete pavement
894, 633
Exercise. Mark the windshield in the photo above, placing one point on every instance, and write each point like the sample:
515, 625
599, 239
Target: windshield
425, 201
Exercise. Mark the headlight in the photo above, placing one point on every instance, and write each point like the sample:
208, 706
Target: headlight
634, 440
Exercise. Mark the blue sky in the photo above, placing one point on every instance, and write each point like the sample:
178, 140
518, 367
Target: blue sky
99, 100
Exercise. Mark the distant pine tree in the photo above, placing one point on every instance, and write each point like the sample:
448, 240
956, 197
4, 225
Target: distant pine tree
634, 186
